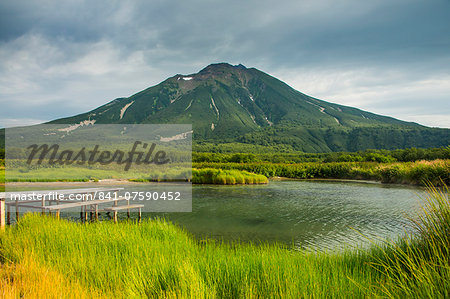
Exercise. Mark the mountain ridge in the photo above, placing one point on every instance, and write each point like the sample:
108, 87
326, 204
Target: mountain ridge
227, 103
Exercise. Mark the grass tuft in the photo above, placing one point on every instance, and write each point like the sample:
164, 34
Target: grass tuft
419, 264
226, 177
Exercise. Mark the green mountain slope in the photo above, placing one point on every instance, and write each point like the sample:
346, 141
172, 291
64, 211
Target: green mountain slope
228, 103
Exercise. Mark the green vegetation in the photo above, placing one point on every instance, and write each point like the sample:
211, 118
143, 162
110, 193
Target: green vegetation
76, 174
158, 259
400, 173
80, 174
380, 165
244, 153
228, 172
317, 139
226, 177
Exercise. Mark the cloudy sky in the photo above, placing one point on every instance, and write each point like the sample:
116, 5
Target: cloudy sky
60, 58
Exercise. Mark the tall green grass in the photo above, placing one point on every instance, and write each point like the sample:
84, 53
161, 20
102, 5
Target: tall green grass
226, 177
158, 259
419, 264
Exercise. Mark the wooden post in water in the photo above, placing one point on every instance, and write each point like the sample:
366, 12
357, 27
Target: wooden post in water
17, 211
128, 211
2, 213
85, 215
140, 215
43, 205
115, 211
115, 216
96, 212
8, 214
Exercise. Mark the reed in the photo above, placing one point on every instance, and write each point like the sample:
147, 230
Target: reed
419, 264
226, 177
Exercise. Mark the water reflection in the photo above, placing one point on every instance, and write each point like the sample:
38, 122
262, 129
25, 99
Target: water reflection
309, 214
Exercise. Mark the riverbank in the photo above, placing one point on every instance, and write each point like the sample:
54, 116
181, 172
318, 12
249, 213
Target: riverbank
199, 176
415, 173
158, 259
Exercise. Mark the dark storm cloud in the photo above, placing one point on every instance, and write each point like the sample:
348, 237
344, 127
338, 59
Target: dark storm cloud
65, 57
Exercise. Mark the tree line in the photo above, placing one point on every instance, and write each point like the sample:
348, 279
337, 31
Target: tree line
382, 156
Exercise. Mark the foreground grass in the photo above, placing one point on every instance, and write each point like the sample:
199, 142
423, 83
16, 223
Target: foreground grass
28, 279
158, 259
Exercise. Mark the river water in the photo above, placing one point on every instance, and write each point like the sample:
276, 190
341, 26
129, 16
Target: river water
306, 214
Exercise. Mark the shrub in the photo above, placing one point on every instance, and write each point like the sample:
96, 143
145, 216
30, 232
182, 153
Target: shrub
226, 177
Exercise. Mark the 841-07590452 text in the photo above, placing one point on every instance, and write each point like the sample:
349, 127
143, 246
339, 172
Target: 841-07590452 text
165, 195
131, 195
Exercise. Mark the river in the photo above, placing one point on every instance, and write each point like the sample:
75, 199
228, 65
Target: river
306, 214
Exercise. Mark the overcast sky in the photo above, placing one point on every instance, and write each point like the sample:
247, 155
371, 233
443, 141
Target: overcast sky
60, 58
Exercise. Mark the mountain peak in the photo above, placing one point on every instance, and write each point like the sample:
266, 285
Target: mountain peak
222, 66
232, 103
